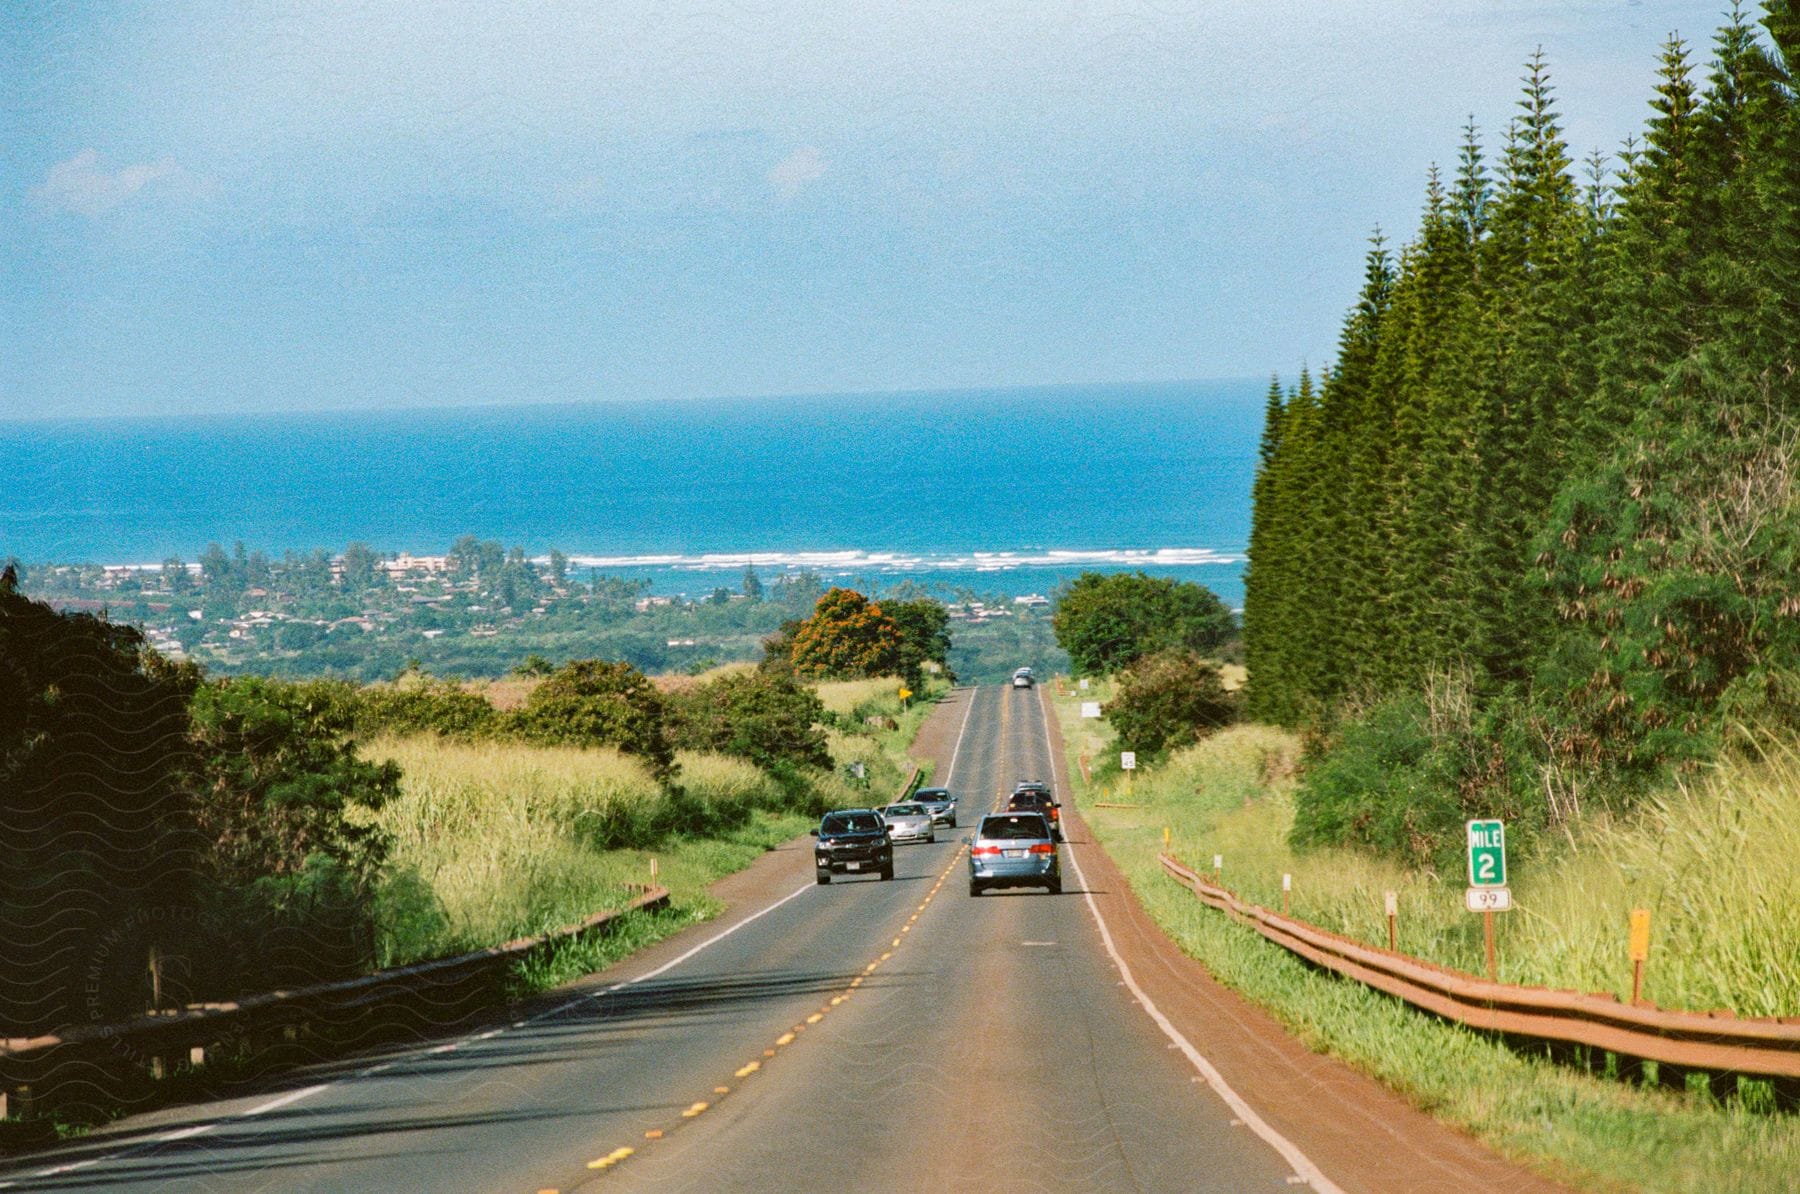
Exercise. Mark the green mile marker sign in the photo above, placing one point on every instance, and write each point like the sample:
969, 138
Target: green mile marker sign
1487, 854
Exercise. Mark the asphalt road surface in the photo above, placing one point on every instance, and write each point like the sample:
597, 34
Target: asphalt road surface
884, 1035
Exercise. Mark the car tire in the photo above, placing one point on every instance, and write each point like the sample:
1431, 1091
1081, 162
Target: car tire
887, 872
974, 888
1055, 886
824, 877
953, 822
930, 839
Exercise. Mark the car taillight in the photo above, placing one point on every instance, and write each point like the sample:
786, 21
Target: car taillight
984, 852
1043, 848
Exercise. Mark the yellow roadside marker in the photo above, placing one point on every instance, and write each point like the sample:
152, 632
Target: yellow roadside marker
815, 1018
749, 1069
653, 1134
696, 1109
721, 1090
786, 1038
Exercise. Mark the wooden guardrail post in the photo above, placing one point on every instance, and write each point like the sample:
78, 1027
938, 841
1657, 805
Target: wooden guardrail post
1287, 885
1391, 901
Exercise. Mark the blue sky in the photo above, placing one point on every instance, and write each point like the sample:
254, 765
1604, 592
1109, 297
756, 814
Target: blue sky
220, 207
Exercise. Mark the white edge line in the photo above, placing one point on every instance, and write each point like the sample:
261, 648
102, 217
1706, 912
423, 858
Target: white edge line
956, 753
670, 965
307, 1092
1290, 1152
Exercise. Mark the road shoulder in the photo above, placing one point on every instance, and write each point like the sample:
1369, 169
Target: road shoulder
1362, 1135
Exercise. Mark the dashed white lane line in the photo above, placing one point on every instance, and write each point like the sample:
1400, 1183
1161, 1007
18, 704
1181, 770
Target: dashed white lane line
1309, 1173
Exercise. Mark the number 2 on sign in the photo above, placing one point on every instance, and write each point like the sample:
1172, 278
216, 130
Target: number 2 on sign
1484, 868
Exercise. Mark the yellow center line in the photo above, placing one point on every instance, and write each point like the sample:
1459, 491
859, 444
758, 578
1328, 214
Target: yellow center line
787, 1038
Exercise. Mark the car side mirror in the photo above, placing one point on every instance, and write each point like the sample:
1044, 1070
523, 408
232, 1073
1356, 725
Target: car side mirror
814, 832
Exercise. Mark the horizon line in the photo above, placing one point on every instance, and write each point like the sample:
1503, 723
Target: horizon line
558, 404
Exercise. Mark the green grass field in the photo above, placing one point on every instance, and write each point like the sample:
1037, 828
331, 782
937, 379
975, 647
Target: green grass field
1712, 862
494, 840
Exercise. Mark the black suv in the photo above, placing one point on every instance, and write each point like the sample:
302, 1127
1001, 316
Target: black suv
853, 841
1033, 797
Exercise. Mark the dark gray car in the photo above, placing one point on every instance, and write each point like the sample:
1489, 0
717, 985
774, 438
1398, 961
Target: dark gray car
1014, 850
940, 803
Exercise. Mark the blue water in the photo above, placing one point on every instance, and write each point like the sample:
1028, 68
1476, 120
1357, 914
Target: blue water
970, 488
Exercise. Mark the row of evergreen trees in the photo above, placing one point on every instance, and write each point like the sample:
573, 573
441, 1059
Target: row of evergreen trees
1548, 465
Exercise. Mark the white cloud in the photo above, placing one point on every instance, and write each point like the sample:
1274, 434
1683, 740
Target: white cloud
83, 185
796, 172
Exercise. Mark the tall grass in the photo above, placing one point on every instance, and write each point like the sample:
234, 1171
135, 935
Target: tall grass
860, 697
1715, 861
494, 840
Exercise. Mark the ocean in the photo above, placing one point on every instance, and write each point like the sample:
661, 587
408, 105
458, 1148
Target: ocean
1007, 491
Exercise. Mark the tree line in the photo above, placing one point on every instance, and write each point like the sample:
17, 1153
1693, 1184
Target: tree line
1537, 519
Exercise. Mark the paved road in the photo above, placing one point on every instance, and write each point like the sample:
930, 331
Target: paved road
887, 1035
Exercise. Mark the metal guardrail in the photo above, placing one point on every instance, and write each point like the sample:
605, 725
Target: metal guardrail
1719, 1041
99, 1057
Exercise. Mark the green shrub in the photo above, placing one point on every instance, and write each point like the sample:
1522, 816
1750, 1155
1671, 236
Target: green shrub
591, 702
1105, 621
1169, 699
760, 716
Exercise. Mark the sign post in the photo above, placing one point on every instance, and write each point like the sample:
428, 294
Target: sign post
1127, 764
1391, 900
1488, 892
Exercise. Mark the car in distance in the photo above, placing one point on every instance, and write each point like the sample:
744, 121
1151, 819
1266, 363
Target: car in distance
1013, 850
940, 803
852, 841
908, 823
1022, 678
1036, 798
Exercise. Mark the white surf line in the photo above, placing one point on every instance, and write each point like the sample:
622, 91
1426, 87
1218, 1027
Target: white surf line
1290, 1152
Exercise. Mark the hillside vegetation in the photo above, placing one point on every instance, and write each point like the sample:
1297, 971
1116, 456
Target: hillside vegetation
1527, 549
1712, 860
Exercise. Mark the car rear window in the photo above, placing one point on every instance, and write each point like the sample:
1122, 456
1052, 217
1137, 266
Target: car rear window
905, 810
932, 794
1024, 826
1029, 800
852, 823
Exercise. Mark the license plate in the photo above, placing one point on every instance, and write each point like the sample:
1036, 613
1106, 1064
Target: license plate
853, 866
1015, 853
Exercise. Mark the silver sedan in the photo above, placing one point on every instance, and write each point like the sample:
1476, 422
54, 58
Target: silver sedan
908, 823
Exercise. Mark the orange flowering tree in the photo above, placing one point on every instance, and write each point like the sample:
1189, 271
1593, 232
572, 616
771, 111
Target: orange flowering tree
847, 636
